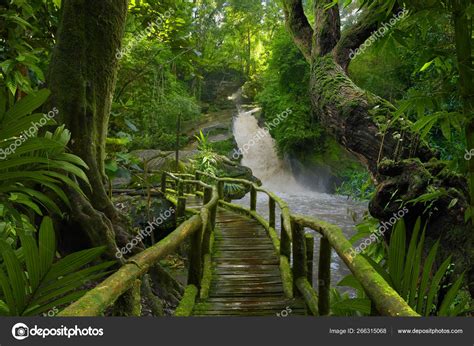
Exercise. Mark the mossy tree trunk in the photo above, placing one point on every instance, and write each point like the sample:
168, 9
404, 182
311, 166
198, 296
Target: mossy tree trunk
464, 48
82, 79
358, 119
402, 166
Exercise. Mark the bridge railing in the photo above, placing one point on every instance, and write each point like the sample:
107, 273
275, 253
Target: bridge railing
295, 248
127, 280
283, 243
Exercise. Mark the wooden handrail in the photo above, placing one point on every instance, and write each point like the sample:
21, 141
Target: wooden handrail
285, 210
293, 246
94, 302
97, 300
387, 301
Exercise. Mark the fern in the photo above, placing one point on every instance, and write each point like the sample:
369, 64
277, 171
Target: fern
32, 282
37, 161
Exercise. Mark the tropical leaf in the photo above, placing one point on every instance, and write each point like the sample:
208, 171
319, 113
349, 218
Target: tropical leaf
36, 282
38, 165
412, 277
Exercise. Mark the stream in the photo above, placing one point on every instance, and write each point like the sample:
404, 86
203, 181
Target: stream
259, 154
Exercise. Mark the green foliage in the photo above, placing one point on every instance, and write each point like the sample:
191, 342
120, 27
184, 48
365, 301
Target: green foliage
203, 142
425, 287
32, 282
343, 305
415, 67
223, 148
415, 278
149, 102
285, 86
31, 161
357, 184
119, 163
207, 162
27, 30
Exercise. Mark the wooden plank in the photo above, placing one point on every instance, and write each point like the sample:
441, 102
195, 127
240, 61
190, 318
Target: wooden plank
246, 279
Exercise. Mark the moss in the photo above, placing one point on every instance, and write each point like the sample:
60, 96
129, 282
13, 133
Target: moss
186, 305
336, 158
309, 295
286, 276
206, 277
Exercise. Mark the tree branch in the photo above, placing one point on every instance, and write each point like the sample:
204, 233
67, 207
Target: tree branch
327, 32
298, 24
369, 22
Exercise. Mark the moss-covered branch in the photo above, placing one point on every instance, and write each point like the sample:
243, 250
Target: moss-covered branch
298, 25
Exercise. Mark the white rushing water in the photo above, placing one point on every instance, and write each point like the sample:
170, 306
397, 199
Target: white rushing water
259, 154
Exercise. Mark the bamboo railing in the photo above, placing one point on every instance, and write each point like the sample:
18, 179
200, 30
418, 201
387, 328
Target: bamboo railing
293, 246
126, 281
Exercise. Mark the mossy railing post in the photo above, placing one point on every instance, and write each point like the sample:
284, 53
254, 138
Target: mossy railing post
163, 182
324, 278
208, 225
309, 240
253, 198
181, 209
285, 243
271, 212
198, 178
180, 188
213, 210
299, 253
220, 189
195, 258
129, 303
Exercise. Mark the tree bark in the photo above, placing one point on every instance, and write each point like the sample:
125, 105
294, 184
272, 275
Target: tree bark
82, 78
463, 36
402, 167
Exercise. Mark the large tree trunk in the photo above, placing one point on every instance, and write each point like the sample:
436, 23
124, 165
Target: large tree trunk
464, 48
82, 79
403, 168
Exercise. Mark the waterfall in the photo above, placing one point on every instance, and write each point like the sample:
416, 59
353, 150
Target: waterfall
258, 149
259, 153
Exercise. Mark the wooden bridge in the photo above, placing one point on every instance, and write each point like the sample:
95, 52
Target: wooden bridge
239, 265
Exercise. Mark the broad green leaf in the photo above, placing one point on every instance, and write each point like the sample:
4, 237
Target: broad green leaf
15, 275
427, 269
427, 65
28, 104
434, 289
396, 254
355, 305
450, 297
409, 259
31, 254
8, 293
46, 245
